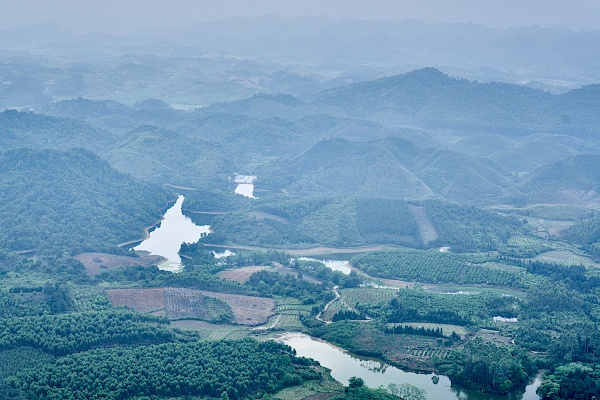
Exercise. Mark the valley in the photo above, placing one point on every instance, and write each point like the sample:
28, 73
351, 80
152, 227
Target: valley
204, 213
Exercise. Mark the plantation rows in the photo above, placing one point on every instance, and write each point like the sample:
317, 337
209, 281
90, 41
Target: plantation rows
288, 322
433, 267
367, 295
419, 306
429, 353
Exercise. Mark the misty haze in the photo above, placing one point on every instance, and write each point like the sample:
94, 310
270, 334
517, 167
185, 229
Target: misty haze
300, 200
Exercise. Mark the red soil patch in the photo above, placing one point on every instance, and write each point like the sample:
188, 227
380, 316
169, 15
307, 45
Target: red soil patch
248, 310
189, 303
241, 275
94, 263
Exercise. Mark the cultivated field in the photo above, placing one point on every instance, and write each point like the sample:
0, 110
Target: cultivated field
192, 304
210, 331
564, 257
187, 303
367, 295
247, 310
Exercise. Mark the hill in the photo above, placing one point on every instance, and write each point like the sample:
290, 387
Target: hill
431, 99
163, 156
71, 201
20, 129
390, 167
573, 180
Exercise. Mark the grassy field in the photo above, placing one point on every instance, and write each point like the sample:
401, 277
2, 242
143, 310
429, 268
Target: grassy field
210, 331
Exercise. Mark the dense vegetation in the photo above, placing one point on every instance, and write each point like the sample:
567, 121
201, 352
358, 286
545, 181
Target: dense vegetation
240, 369
415, 305
71, 202
69, 333
487, 367
344, 221
434, 266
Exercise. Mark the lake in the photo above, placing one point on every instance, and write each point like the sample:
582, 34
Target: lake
375, 373
166, 239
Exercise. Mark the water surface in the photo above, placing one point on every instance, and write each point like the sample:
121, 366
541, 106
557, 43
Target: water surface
375, 373
245, 185
166, 239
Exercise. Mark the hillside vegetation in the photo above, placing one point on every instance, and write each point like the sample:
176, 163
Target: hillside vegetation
71, 201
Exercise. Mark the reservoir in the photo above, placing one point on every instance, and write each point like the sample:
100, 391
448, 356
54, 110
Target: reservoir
166, 239
375, 373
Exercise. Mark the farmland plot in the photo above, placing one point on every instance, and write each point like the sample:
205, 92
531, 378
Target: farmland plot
247, 310
141, 300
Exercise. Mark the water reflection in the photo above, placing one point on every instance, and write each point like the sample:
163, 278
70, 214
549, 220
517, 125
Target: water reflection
375, 373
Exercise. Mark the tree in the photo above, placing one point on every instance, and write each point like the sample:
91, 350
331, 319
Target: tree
355, 382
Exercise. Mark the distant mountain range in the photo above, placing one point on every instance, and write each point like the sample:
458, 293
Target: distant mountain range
418, 135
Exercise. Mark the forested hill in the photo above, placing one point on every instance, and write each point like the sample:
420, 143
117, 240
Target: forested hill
390, 167
19, 129
71, 201
571, 180
431, 99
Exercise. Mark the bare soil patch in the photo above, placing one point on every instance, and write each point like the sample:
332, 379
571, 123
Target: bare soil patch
94, 263
192, 304
179, 303
141, 300
247, 310
241, 275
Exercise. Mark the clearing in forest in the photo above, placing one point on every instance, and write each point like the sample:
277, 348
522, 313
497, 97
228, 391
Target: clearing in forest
241, 275
180, 303
427, 231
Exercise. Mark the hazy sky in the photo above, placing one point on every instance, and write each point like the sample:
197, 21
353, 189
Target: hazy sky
128, 15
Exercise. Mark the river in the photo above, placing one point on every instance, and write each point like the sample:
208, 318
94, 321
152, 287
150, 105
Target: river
375, 373
175, 229
166, 239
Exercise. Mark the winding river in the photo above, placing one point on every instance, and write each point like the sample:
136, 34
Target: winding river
375, 373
